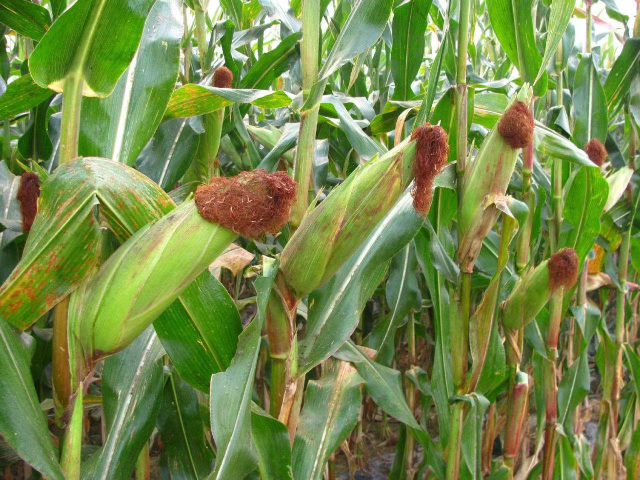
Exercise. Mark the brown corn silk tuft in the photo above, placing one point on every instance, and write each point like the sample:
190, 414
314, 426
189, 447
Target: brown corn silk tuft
432, 152
250, 204
222, 78
596, 152
563, 269
516, 125
28, 194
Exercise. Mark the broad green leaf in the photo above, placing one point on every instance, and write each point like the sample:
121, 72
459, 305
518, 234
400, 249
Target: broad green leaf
430, 95
26, 18
362, 29
271, 439
22, 422
120, 125
22, 95
624, 70
408, 28
271, 64
583, 207
633, 365
331, 409
169, 153
63, 245
94, 39
200, 331
185, 453
279, 146
336, 306
132, 384
589, 103
513, 24
191, 100
382, 383
559, 17
231, 391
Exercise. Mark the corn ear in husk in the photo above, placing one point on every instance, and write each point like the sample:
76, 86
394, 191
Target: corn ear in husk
489, 174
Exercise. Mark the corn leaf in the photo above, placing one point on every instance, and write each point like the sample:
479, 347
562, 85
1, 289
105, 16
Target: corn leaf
330, 412
200, 331
22, 95
22, 422
180, 426
93, 39
26, 18
231, 391
120, 125
624, 70
132, 384
589, 103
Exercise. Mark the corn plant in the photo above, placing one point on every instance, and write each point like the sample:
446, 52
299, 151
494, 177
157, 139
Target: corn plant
288, 239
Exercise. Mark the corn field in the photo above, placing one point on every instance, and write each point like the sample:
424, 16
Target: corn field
319, 239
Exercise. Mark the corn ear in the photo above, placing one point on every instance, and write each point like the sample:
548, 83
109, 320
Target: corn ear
517, 411
534, 289
334, 230
142, 278
487, 177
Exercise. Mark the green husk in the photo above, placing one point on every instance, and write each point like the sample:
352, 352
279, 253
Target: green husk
487, 178
334, 230
141, 279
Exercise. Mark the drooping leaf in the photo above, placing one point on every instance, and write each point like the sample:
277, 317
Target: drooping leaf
10, 214
35, 143
573, 388
271, 439
95, 40
22, 422
120, 125
382, 383
191, 99
22, 95
63, 245
272, 64
363, 28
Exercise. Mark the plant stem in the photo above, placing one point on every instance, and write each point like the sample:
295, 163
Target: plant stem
303, 164
71, 109
409, 444
201, 35
555, 307
460, 340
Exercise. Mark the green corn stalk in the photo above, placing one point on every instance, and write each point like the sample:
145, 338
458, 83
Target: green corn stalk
485, 179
